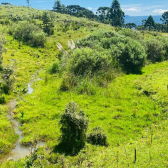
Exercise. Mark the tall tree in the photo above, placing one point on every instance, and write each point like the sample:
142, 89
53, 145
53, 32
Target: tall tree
165, 19
57, 6
102, 13
116, 15
150, 23
47, 24
28, 2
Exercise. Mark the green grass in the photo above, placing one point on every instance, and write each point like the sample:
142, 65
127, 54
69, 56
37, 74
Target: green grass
28, 62
130, 109
7, 134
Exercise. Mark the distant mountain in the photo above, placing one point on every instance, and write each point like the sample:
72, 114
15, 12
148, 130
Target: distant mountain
138, 19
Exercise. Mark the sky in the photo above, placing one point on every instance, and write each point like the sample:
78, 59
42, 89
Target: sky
130, 7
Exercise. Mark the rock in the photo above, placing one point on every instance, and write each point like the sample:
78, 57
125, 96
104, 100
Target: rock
10, 159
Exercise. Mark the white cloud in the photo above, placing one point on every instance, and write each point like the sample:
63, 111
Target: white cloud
131, 10
139, 8
90, 8
159, 11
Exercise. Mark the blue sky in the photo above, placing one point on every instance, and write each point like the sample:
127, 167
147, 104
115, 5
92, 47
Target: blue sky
130, 7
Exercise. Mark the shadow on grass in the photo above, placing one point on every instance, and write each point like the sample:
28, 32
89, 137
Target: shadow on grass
66, 149
137, 72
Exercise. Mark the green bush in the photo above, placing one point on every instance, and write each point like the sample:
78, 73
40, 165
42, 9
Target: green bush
28, 33
164, 41
88, 61
134, 34
120, 48
130, 54
73, 128
7, 80
155, 50
38, 39
97, 137
54, 68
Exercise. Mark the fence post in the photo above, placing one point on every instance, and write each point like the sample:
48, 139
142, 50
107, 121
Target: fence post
135, 156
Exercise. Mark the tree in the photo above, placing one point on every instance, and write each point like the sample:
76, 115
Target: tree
130, 25
79, 11
73, 128
47, 24
149, 23
160, 27
165, 19
57, 6
27, 2
102, 13
116, 15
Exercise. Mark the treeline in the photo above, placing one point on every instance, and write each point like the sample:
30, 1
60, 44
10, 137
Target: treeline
112, 15
149, 24
74, 10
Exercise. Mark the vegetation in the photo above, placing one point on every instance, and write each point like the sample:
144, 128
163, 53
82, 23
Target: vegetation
73, 128
28, 33
116, 15
117, 76
150, 22
97, 137
47, 24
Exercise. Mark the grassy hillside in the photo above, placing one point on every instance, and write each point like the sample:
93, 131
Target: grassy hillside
130, 106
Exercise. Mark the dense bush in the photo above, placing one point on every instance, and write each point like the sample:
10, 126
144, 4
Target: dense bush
130, 54
73, 128
155, 50
97, 137
116, 48
134, 34
28, 33
164, 42
88, 61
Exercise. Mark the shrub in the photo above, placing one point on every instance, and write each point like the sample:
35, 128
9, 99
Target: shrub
97, 137
136, 35
54, 68
7, 80
130, 54
38, 39
164, 42
114, 47
155, 50
73, 128
88, 61
28, 33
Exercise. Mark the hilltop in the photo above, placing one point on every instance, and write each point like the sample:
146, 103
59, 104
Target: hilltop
116, 76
